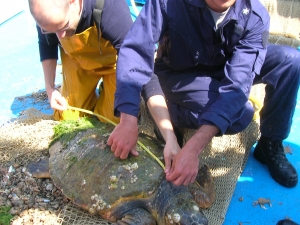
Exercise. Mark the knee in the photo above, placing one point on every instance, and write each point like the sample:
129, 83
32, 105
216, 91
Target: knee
292, 61
288, 56
282, 62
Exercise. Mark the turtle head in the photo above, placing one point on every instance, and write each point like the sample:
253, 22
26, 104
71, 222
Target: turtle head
175, 205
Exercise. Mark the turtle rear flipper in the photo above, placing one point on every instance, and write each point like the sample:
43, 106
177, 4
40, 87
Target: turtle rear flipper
39, 169
136, 216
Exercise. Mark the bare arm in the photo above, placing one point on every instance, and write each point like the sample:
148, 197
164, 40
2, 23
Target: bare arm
49, 68
159, 111
56, 100
201, 138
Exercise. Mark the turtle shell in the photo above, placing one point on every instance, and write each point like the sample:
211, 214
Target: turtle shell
88, 173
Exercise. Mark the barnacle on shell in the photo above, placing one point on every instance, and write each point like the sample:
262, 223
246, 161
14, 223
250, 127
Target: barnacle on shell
113, 179
176, 217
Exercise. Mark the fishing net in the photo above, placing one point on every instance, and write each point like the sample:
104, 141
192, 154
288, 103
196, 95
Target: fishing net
284, 17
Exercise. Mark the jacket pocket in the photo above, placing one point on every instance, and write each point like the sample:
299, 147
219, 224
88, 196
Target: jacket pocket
180, 51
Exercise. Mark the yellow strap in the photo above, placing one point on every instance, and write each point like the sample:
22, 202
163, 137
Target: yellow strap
104, 118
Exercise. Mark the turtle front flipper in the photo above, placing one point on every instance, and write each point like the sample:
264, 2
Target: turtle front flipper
39, 169
137, 216
203, 189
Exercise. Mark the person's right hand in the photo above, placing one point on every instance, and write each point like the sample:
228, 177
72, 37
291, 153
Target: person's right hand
124, 137
184, 167
185, 163
57, 101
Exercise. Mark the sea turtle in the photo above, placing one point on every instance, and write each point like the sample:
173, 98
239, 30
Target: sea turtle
127, 192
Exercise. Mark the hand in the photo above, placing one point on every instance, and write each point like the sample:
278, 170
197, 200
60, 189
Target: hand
170, 151
124, 137
57, 101
185, 164
184, 168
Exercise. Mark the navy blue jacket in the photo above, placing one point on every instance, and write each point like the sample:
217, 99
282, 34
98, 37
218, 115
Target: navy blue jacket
115, 23
238, 47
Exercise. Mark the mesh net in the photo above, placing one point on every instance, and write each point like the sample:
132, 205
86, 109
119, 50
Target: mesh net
25, 138
71, 214
284, 17
281, 40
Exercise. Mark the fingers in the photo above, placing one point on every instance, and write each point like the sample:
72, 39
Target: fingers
120, 148
62, 103
181, 176
173, 175
168, 164
193, 178
134, 152
171, 149
123, 153
57, 101
189, 180
110, 141
180, 179
116, 147
176, 178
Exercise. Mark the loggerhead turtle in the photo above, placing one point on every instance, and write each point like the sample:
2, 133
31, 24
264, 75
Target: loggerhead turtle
126, 192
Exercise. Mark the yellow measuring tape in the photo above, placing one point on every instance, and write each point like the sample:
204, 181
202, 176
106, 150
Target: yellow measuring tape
108, 120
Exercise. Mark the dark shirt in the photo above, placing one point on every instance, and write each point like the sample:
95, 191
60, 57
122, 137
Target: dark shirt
238, 47
115, 23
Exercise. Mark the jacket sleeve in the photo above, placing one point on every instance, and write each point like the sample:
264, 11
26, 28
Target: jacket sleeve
136, 58
48, 45
115, 22
240, 70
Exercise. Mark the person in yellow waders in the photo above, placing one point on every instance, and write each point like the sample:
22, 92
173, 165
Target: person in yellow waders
83, 67
88, 53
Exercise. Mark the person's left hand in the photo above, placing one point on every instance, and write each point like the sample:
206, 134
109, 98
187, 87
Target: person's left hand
124, 137
170, 151
184, 168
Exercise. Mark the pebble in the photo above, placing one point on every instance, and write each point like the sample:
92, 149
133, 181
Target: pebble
32, 201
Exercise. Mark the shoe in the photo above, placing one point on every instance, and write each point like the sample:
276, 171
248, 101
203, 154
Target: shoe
286, 222
271, 153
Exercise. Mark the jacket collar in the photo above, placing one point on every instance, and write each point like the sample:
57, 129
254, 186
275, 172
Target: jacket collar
240, 8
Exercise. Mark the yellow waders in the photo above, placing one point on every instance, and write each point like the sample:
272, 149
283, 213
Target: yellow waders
85, 61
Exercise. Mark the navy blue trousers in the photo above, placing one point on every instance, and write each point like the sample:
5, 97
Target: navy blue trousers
280, 72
